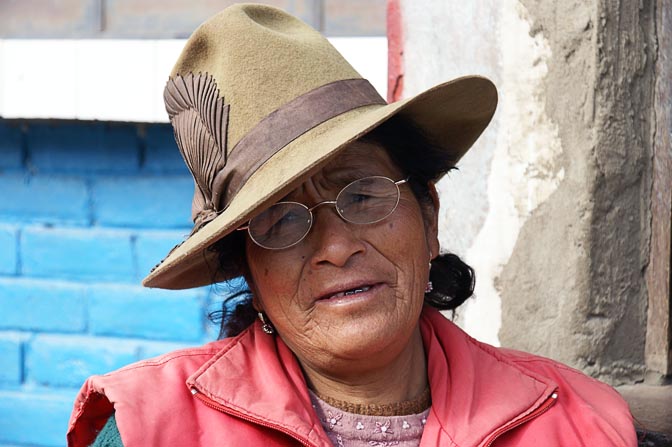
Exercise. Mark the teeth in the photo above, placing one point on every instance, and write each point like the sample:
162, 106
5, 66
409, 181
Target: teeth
358, 290
350, 292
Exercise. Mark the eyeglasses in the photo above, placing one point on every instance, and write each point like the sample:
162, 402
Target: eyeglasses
364, 201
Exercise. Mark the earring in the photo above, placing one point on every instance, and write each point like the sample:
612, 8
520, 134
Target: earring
265, 325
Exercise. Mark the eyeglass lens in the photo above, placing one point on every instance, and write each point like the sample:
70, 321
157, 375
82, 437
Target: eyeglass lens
364, 201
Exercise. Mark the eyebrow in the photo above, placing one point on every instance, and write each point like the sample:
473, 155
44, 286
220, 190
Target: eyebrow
346, 175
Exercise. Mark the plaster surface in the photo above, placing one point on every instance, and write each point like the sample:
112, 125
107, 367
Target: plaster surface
551, 205
513, 168
576, 271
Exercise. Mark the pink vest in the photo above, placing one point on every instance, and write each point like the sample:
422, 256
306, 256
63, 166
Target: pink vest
249, 391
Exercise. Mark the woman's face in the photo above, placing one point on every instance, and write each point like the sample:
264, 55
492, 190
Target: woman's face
301, 288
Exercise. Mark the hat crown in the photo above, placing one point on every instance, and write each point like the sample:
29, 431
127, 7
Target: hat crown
259, 101
260, 58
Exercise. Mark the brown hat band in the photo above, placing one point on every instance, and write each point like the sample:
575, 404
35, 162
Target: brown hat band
275, 131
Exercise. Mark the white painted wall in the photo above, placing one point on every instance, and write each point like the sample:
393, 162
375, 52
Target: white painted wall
504, 177
120, 80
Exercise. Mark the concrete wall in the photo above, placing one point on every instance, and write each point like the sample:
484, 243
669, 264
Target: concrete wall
86, 209
552, 205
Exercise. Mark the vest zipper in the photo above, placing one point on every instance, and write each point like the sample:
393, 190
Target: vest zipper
214, 405
543, 408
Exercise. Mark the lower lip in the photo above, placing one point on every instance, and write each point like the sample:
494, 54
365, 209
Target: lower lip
352, 299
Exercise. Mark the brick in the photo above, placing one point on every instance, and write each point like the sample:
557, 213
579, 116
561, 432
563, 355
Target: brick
163, 201
34, 305
44, 199
9, 237
82, 254
174, 19
152, 247
35, 418
37, 18
161, 152
66, 361
11, 359
355, 17
84, 147
130, 311
151, 349
11, 156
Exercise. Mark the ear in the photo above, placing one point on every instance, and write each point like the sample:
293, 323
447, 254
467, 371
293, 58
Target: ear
256, 302
247, 274
431, 218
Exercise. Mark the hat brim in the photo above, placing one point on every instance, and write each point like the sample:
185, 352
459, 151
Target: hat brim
452, 114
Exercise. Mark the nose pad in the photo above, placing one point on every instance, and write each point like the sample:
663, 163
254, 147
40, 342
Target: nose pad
332, 238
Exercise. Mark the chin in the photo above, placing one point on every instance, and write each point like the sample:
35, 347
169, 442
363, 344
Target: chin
368, 339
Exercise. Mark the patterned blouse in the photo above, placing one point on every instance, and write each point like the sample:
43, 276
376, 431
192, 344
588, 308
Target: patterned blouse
346, 429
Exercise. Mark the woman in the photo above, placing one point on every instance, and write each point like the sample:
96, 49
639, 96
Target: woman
322, 197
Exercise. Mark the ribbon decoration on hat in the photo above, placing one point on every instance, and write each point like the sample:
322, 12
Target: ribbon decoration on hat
200, 118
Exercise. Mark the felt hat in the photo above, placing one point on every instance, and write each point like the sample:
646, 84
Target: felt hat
259, 101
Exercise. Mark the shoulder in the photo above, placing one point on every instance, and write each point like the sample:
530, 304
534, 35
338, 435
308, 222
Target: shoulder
176, 359
581, 397
562, 374
162, 378
158, 373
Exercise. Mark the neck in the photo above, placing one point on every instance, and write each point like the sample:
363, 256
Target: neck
372, 381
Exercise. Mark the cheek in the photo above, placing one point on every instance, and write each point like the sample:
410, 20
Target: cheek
407, 247
274, 279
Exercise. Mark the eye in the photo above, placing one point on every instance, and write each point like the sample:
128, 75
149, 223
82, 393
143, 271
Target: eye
357, 198
279, 218
368, 200
289, 217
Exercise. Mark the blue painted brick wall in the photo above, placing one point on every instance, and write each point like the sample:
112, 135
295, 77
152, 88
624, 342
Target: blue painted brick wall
78, 254
9, 240
44, 199
160, 153
86, 210
34, 417
11, 155
66, 361
156, 201
96, 147
11, 345
43, 306
131, 311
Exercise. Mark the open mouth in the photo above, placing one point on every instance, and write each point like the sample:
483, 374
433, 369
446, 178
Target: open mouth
350, 292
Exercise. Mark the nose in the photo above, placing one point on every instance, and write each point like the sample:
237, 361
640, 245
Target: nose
332, 240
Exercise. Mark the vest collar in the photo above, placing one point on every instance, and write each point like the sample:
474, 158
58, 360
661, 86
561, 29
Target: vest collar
476, 390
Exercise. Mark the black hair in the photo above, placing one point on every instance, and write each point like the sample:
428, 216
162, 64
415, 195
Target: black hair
452, 279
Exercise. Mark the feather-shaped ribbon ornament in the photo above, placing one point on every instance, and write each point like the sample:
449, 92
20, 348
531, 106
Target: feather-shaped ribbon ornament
200, 119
